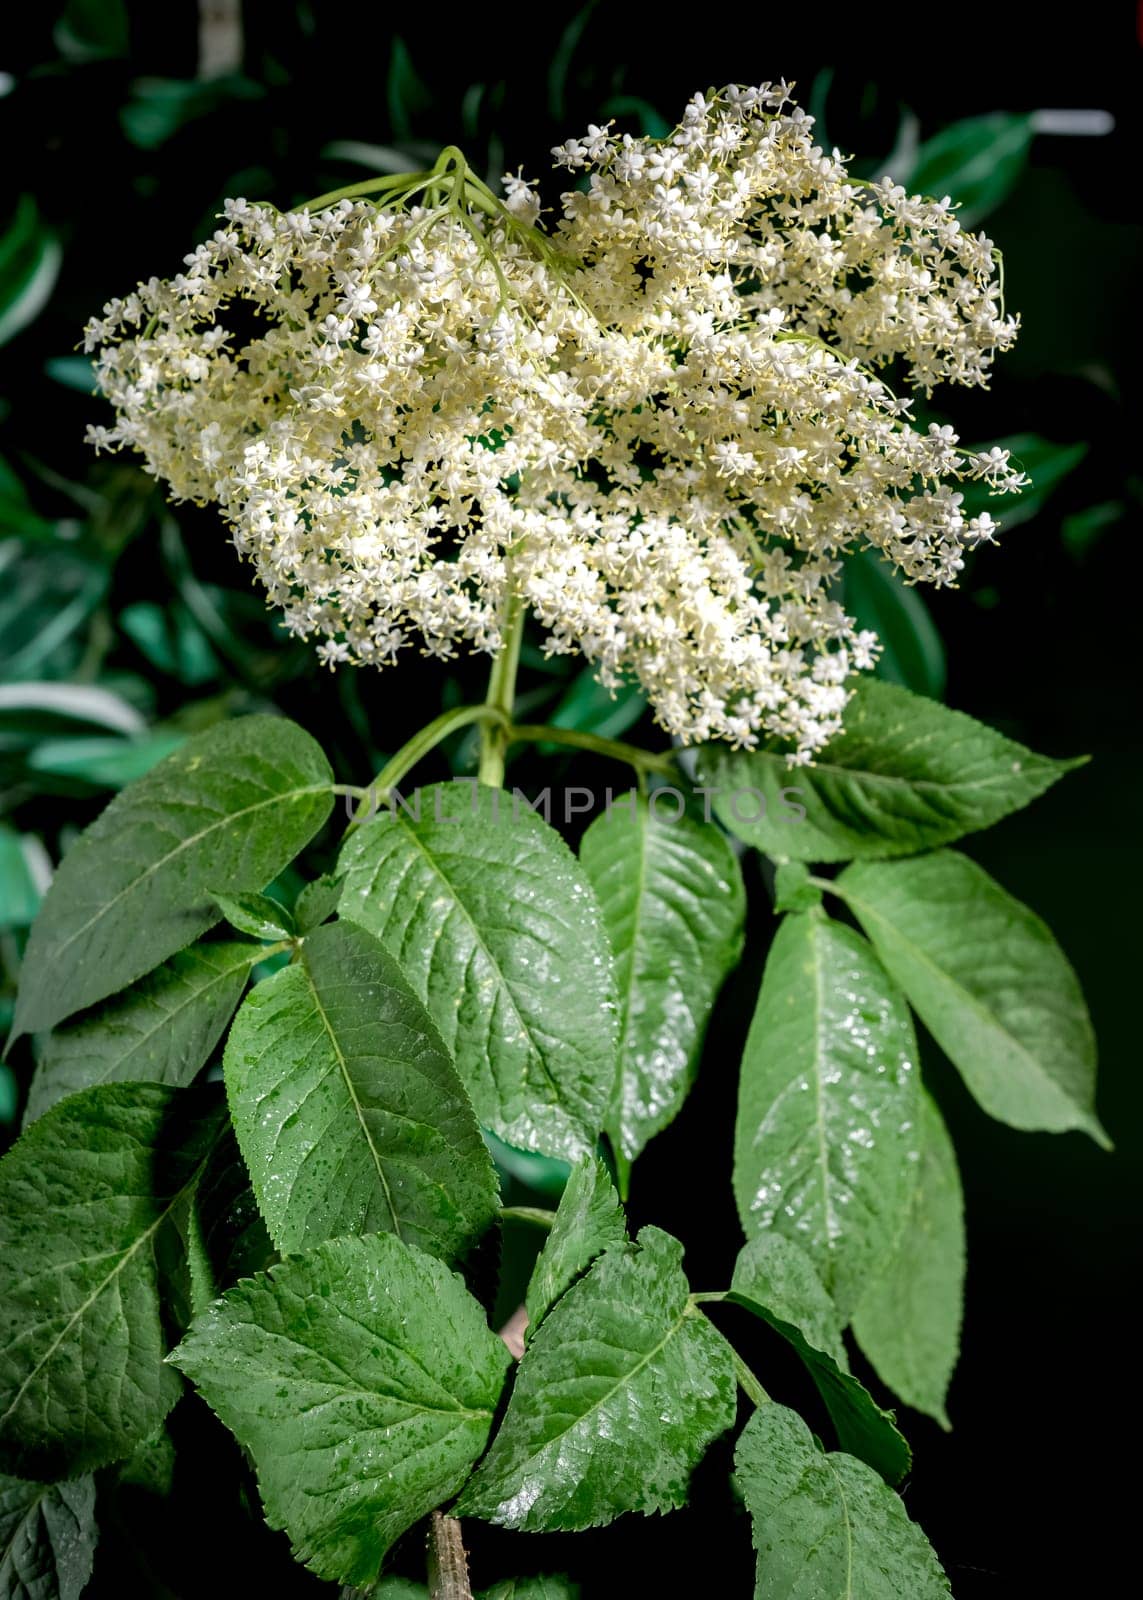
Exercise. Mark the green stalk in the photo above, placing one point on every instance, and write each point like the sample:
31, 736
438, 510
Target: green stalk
642, 760
415, 750
501, 697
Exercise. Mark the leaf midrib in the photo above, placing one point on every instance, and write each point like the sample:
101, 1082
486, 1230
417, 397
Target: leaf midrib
222, 822
355, 1102
535, 1053
622, 1382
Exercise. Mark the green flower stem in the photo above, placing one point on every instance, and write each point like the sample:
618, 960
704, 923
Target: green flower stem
642, 760
501, 696
747, 1382
535, 1215
407, 757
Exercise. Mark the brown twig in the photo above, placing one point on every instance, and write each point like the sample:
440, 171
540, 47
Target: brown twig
448, 1564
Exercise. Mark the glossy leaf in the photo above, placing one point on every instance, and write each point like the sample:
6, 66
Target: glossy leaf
989, 982
826, 1141
827, 1525
499, 932
905, 775
776, 1280
908, 1320
47, 1538
256, 915
233, 805
588, 1221
160, 1030
616, 1399
347, 1109
388, 1375
673, 906
86, 1201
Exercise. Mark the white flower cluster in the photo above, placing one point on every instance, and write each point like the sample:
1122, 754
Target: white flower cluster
660, 427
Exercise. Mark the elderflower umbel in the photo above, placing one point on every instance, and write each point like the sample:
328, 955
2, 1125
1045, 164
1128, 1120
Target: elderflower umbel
660, 427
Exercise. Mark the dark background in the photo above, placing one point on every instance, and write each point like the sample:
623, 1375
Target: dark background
127, 155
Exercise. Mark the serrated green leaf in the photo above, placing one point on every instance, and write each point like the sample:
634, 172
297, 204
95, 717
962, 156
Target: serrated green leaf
826, 1525
776, 1280
905, 775
256, 915
989, 982
588, 1221
673, 906
348, 1111
48, 1536
826, 1140
160, 1030
616, 1399
975, 162
498, 931
317, 902
86, 1199
232, 805
912, 653
362, 1378
908, 1320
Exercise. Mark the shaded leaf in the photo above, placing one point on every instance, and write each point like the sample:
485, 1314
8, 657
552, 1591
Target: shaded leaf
908, 1320
389, 1376
497, 929
673, 905
616, 1399
905, 775
976, 162
48, 1536
826, 1524
232, 805
989, 982
86, 1198
547, 1588
160, 1030
912, 652
1047, 464
826, 1139
347, 1108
